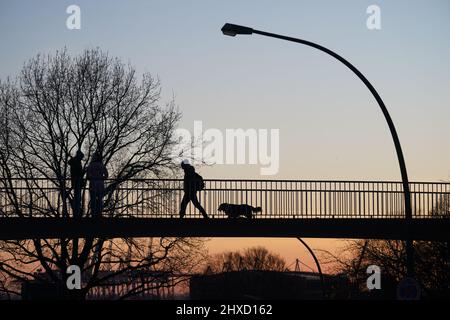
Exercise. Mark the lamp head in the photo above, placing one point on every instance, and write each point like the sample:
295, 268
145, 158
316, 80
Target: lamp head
233, 29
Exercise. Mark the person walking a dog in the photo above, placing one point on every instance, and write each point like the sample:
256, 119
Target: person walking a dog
192, 183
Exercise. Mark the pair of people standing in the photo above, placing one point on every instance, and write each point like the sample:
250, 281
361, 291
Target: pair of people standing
96, 173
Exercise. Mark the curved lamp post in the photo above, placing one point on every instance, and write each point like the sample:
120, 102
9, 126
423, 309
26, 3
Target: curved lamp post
233, 30
319, 269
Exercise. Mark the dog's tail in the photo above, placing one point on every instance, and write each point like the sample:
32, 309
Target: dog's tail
257, 209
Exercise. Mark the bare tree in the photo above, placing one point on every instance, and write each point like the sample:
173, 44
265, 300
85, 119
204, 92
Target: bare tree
256, 258
432, 259
94, 103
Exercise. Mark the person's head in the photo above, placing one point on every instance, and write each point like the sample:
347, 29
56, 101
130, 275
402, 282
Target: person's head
185, 163
79, 154
97, 157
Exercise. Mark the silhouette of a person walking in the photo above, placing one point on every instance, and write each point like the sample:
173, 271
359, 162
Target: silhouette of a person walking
192, 183
96, 174
76, 178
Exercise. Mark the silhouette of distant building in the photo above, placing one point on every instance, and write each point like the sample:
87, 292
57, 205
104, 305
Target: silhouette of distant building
266, 285
42, 288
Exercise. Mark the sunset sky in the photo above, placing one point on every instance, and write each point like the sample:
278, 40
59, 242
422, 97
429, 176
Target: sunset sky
330, 126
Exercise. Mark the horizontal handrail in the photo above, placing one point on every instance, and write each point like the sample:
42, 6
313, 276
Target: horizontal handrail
254, 180
161, 198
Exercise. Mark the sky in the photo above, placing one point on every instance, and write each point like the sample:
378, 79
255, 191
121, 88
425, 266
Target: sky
330, 127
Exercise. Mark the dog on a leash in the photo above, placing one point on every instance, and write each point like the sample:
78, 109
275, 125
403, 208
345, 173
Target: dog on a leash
237, 210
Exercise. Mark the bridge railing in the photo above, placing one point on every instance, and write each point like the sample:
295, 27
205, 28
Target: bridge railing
305, 199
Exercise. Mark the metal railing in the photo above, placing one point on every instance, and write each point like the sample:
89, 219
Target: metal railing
161, 198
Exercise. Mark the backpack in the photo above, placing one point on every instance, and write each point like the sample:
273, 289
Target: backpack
199, 183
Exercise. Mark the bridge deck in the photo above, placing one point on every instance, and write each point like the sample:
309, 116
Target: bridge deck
421, 229
42, 208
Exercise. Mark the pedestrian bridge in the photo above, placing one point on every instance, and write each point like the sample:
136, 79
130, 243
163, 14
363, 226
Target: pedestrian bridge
290, 208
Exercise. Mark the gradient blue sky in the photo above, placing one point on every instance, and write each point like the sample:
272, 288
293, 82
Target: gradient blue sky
330, 126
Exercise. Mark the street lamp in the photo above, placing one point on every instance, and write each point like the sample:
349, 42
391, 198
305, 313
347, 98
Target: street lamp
233, 30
